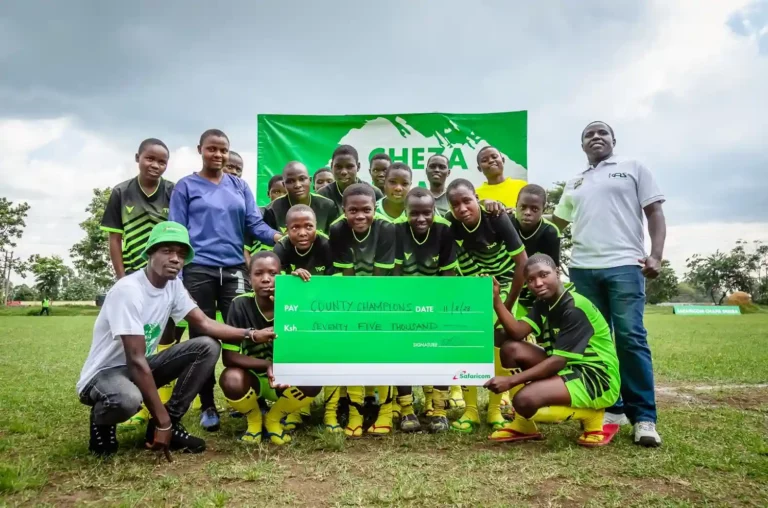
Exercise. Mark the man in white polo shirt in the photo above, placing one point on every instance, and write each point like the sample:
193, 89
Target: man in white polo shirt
606, 203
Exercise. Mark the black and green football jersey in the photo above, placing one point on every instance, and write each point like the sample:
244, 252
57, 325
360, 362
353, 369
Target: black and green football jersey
434, 254
276, 212
376, 248
245, 313
544, 240
380, 210
133, 214
489, 248
332, 192
318, 260
574, 329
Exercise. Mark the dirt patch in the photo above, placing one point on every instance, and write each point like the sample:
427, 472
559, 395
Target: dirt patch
744, 397
562, 492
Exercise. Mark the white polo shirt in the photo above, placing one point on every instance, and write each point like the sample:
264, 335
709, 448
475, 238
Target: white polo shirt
605, 206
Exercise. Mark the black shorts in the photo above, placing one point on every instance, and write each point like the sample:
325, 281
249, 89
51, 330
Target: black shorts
214, 288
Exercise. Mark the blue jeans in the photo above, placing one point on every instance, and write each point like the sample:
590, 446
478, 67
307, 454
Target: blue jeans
619, 294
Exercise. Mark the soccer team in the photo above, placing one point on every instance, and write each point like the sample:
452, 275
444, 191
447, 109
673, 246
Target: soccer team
555, 357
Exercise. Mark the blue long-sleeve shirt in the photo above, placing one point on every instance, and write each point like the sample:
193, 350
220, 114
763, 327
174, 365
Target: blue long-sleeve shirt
217, 217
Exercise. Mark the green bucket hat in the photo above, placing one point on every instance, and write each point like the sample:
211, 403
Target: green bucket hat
169, 232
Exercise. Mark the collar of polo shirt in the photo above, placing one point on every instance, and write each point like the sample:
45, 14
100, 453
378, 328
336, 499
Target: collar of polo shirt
609, 160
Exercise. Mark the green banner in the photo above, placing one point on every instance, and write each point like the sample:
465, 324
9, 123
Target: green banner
411, 138
706, 310
383, 331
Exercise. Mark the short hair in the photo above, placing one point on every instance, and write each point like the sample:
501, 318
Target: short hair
151, 142
293, 163
398, 165
419, 192
610, 129
213, 132
273, 181
438, 155
321, 170
345, 150
358, 189
263, 254
534, 190
460, 182
540, 258
232, 152
381, 156
299, 209
483, 149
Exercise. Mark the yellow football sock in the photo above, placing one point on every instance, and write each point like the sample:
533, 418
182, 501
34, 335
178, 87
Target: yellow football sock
438, 399
163, 347
470, 418
249, 406
370, 391
354, 427
494, 417
383, 424
428, 404
136, 420
523, 425
456, 397
396, 407
305, 411
290, 401
406, 404
292, 421
331, 395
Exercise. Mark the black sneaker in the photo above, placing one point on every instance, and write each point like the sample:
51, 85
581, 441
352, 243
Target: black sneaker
181, 440
103, 440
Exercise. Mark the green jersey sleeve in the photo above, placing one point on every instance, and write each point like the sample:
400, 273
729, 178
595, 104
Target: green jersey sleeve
112, 220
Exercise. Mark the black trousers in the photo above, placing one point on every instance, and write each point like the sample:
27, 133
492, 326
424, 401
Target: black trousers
214, 288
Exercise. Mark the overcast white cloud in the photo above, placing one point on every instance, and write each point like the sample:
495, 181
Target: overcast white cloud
683, 83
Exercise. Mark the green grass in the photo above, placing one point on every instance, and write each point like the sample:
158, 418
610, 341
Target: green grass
715, 451
56, 310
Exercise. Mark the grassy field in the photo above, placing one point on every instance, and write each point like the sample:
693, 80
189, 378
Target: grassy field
715, 441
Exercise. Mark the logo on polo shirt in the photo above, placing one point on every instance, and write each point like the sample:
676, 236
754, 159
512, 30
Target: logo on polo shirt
617, 175
578, 183
129, 209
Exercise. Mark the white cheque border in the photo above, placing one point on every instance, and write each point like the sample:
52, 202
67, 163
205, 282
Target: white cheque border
380, 374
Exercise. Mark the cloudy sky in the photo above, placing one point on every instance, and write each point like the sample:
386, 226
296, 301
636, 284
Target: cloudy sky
682, 82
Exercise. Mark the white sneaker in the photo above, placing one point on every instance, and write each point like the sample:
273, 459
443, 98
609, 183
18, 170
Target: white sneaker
614, 419
646, 435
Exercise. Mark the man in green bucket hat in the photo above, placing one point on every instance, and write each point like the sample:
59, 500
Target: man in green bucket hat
121, 370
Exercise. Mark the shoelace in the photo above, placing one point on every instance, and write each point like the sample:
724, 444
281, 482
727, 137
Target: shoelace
646, 426
179, 430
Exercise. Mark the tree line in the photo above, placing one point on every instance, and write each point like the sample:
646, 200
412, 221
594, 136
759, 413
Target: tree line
708, 277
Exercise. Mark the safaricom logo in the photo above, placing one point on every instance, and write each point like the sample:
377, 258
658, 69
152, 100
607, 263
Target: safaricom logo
463, 374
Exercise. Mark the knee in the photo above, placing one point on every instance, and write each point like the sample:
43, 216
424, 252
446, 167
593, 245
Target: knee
311, 391
209, 347
234, 382
123, 405
525, 403
509, 354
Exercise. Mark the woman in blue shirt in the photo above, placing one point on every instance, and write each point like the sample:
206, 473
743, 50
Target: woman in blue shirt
219, 210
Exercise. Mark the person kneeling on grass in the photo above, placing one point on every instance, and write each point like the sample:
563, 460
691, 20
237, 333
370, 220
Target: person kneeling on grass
576, 372
248, 373
120, 373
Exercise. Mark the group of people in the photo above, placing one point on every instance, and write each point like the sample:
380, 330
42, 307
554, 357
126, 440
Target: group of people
184, 253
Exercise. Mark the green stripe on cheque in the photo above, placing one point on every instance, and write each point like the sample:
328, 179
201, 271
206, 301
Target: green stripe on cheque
383, 330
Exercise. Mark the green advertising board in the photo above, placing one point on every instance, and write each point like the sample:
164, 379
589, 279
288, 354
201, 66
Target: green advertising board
408, 137
353, 331
706, 310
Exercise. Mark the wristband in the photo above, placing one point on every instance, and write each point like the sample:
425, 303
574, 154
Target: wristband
249, 334
164, 430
